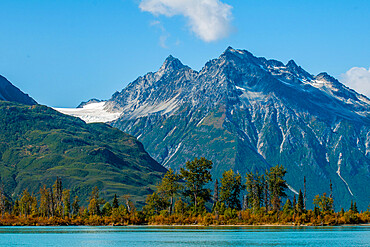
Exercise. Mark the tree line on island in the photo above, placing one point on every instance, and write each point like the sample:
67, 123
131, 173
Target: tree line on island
184, 199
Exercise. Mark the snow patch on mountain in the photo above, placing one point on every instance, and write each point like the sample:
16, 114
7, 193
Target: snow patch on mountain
340, 159
136, 109
91, 113
292, 189
170, 157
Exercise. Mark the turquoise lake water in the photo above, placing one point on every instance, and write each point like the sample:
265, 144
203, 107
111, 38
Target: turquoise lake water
185, 236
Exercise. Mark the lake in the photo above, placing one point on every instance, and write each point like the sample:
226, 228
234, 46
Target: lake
185, 236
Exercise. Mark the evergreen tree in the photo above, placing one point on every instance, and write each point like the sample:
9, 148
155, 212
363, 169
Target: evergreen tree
266, 195
107, 209
288, 207
331, 193
277, 185
115, 202
3, 200
231, 187
254, 186
75, 205
16, 208
304, 192
355, 210
300, 205
196, 175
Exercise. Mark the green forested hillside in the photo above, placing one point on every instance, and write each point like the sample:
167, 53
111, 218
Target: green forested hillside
37, 144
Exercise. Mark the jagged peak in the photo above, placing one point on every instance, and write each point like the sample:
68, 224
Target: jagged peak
297, 70
171, 63
292, 64
235, 51
274, 62
229, 49
325, 76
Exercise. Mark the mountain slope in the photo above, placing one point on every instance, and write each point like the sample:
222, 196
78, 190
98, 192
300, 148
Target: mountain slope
9, 92
37, 144
247, 113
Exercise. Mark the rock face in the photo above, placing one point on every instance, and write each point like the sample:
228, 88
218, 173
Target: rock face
91, 101
248, 113
8, 92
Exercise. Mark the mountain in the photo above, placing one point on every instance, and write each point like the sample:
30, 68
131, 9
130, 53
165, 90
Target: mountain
91, 101
9, 92
37, 144
249, 113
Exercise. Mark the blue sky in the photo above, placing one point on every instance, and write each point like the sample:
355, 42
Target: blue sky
65, 52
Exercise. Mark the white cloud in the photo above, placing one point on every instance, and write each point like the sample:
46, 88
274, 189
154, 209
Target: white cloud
358, 79
208, 19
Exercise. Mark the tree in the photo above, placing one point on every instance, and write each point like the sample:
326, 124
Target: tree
107, 209
300, 204
245, 202
331, 192
215, 193
254, 186
288, 207
324, 203
154, 204
231, 187
196, 175
355, 210
45, 201
16, 208
25, 203
28, 204
75, 205
266, 194
95, 201
304, 192
57, 194
169, 187
3, 200
129, 205
66, 199
115, 202
277, 185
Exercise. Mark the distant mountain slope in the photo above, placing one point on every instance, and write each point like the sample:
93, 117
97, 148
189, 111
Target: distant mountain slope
247, 113
37, 144
9, 92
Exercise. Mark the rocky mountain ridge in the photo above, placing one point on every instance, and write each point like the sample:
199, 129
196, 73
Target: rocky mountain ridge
248, 113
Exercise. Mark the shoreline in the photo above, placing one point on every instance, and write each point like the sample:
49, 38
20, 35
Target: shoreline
191, 226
